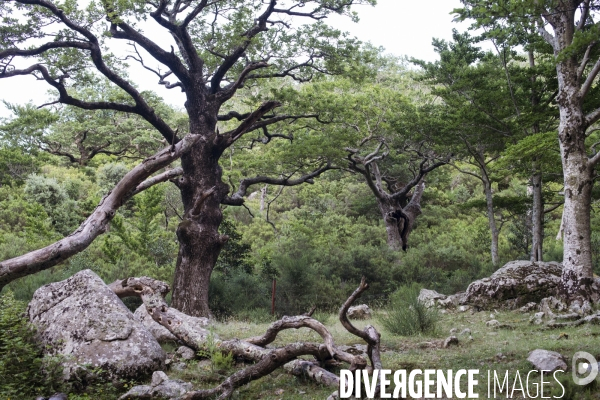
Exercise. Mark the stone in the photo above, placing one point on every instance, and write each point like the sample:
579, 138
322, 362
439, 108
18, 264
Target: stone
515, 284
592, 319
547, 360
568, 317
55, 396
528, 307
453, 331
465, 331
161, 333
83, 320
551, 304
361, 311
450, 341
451, 301
180, 366
58, 396
536, 321
492, 323
539, 315
430, 297
579, 309
463, 308
186, 353
159, 377
161, 388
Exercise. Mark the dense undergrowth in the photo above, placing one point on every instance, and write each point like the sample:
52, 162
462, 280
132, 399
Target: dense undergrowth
318, 241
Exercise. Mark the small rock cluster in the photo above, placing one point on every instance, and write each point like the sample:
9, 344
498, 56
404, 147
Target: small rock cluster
161, 388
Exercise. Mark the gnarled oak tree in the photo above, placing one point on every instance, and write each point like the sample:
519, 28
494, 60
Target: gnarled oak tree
219, 47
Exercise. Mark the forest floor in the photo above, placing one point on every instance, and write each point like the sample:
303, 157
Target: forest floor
499, 349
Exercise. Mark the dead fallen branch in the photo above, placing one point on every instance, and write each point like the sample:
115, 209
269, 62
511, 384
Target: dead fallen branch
265, 360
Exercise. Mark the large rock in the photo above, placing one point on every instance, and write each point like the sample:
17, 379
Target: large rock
161, 388
547, 360
361, 311
515, 284
430, 298
161, 333
83, 320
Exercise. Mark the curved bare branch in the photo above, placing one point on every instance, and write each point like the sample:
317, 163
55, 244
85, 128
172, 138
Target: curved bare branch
98, 222
237, 199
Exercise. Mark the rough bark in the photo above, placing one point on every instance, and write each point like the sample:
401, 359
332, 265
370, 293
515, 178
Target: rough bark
537, 212
399, 219
577, 277
266, 360
200, 242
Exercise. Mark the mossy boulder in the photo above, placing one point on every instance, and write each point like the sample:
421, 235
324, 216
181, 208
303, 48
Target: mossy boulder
82, 320
514, 285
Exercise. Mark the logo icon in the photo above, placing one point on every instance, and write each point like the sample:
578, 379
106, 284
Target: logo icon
585, 368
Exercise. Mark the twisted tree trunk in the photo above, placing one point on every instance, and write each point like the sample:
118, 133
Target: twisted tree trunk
200, 242
400, 219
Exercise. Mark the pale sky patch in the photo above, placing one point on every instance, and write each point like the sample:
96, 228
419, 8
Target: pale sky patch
402, 27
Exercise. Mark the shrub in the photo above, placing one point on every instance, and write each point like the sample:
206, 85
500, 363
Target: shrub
109, 175
53, 197
25, 373
406, 315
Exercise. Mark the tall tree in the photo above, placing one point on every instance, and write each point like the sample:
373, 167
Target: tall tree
387, 129
218, 48
497, 99
470, 83
568, 26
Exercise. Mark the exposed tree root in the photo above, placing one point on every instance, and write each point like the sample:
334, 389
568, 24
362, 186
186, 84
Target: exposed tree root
253, 349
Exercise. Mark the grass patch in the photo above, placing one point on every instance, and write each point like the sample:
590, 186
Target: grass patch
407, 316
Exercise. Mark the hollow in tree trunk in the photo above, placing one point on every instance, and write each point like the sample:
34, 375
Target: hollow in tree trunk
400, 218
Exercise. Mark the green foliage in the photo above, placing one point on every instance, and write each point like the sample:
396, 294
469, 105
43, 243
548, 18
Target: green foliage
219, 361
109, 175
25, 373
407, 316
238, 293
234, 255
47, 192
16, 166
